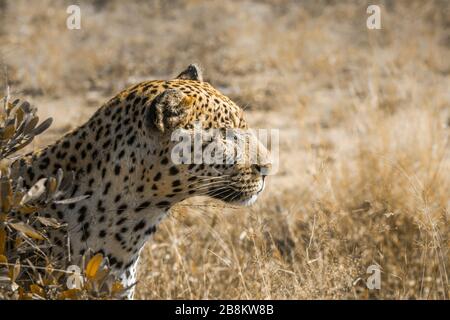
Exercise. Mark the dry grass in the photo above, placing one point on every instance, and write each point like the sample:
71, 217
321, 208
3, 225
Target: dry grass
364, 119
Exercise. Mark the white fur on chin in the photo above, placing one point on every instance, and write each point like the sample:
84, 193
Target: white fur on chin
247, 202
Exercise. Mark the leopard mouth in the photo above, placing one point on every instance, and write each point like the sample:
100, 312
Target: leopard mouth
246, 202
237, 197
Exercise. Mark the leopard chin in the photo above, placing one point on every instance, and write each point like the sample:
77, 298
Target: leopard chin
236, 197
247, 202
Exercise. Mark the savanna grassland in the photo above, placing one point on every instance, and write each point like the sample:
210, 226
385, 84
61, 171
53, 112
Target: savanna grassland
364, 120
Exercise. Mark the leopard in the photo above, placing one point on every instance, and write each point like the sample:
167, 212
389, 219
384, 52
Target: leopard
122, 159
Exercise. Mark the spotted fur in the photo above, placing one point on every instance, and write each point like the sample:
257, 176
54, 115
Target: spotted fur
122, 160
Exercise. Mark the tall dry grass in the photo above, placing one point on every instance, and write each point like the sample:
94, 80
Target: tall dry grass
364, 121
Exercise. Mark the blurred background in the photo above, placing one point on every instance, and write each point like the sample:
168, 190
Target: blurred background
364, 119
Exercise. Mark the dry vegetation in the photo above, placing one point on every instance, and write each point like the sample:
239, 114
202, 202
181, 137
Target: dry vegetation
28, 270
364, 119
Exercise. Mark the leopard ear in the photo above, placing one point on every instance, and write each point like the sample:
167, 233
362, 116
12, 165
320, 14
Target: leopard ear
192, 72
168, 110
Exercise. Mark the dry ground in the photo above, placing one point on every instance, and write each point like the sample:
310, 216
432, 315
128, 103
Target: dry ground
364, 119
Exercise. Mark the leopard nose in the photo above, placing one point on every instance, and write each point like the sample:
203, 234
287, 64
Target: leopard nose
263, 170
